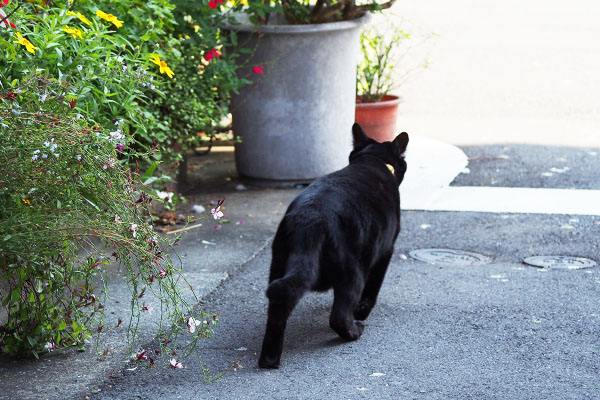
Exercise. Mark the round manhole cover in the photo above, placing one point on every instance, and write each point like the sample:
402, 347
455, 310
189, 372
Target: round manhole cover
560, 262
449, 257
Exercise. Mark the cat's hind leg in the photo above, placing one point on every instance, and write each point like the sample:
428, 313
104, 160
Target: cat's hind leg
284, 293
346, 295
278, 314
371, 289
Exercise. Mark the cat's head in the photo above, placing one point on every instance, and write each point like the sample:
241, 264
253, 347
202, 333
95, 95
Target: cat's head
391, 153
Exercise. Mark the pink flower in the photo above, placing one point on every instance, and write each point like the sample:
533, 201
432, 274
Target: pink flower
133, 230
147, 308
120, 148
162, 273
258, 69
193, 324
50, 346
216, 212
175, 364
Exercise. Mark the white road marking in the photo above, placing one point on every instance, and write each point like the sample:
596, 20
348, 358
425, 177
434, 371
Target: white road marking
433, 165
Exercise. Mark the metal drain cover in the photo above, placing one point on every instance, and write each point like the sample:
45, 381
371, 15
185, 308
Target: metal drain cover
449, 257
560, 262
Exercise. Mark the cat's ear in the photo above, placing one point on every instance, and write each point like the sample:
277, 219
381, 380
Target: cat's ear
359, 138
400, 144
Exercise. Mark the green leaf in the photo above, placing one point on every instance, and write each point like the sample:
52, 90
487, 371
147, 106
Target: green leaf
62, 326
15, 295
7, 237
149, 171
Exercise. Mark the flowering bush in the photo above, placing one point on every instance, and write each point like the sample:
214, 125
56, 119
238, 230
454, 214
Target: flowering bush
86, 86
69, 205
205, 74
156, 67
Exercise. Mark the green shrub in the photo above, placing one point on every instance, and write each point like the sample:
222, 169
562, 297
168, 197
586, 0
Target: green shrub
69, 205
108, 64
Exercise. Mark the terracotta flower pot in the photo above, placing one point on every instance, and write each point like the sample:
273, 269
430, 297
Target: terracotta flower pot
378, 119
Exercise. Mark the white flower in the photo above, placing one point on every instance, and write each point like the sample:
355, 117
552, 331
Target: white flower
36, 152
193, 324
116, 135
133, 230
165, 195
34, 157
79, 67
152, 87
56, 155
53, 147
175, 364
47, 144
217, 213
105, 90
78, 157
44, 155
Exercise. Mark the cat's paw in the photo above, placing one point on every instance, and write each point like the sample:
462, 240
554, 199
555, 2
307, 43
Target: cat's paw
266, 362
360, 326
353, 332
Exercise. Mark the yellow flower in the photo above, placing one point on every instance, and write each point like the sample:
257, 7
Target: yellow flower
81, 17
27, 202
110, 18
164, 68
30, 47
73, 31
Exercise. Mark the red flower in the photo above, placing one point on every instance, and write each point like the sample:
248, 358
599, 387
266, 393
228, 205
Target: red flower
211, 54
3, 17
258, 69
11, 96
212, 4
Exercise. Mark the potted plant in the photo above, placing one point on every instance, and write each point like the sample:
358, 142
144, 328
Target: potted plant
377, 75
294, 119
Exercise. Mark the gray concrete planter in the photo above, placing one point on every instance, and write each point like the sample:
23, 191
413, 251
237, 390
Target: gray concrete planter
295, 120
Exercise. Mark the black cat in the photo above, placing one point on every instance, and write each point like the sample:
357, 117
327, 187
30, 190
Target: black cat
339, 232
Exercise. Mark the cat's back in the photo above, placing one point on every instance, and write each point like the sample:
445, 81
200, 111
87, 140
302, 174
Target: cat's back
355, 191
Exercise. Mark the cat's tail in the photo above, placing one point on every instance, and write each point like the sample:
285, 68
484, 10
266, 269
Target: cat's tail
301, 275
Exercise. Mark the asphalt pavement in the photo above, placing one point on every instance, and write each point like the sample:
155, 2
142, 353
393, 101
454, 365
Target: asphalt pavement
514, 86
